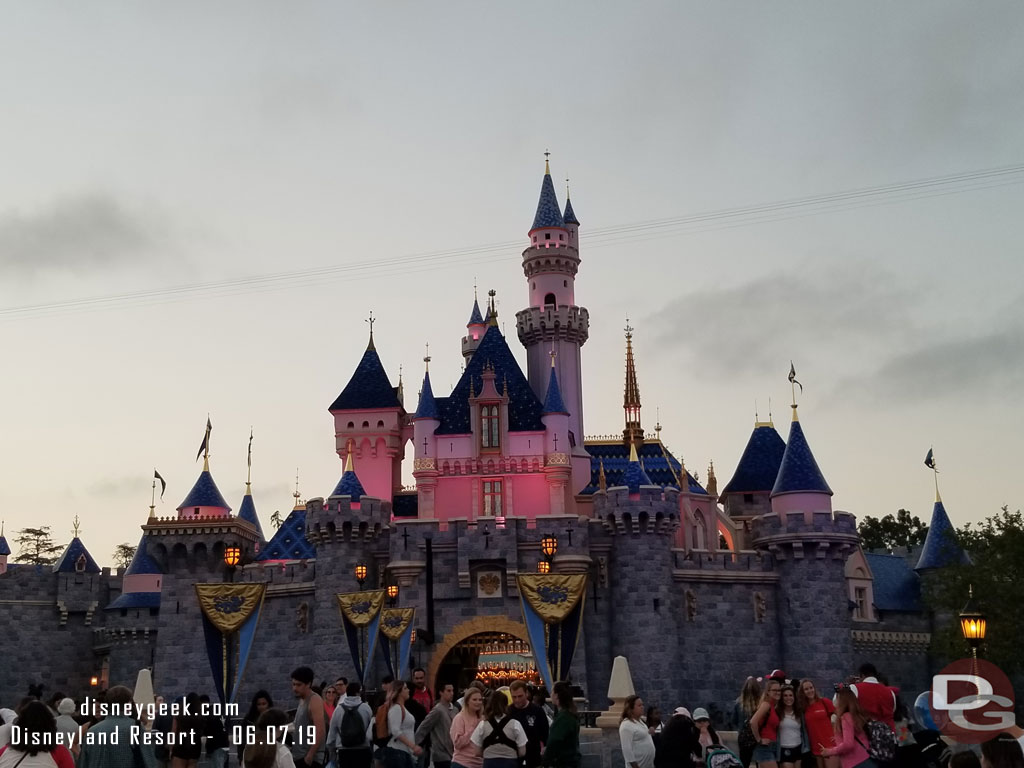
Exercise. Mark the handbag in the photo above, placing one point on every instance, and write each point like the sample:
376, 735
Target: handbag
746, 737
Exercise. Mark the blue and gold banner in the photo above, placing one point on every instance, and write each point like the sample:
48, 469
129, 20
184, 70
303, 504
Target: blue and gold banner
231, 614
396, 626
360, 616
553, 614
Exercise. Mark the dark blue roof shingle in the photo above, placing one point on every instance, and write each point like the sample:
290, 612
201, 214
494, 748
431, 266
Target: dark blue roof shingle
549, 214
553, 399
759, 465
66, 562
247, 512
204, 493
5, 548
427, 408
524, 409
661, 467
369, 386
896, 586
475, 318
634, 477
799, 471
569, 217
349, 485
290, 542
941, 547
142, 562
135, 600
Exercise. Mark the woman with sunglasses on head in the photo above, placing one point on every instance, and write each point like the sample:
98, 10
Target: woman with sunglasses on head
765, 725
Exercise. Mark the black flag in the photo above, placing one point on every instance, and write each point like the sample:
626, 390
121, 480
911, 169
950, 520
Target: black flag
163, 483
929, 460
205, 445
792, 377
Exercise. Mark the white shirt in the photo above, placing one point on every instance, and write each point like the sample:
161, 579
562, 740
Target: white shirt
512, 729
637, 744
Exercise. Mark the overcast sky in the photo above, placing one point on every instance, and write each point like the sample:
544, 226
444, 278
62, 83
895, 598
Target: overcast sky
162, 145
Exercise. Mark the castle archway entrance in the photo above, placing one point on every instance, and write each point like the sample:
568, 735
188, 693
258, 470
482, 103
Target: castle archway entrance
494, 649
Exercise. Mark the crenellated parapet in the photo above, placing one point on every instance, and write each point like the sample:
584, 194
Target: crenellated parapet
548, 323
800, 534
340, 519
652, 510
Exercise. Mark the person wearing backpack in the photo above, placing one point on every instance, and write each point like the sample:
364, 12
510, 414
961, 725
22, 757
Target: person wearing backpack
436, 727
852, 742
499, 736
347, 736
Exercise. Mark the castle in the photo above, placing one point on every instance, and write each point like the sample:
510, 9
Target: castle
696, 587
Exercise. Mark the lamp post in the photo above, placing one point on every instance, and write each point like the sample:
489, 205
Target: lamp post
972, 623
360, 571
543, 567
232, 557
393, 594
548, 548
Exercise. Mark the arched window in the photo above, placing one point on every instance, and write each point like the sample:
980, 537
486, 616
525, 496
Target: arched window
701, 530
366, 425
549, 299
380, 424
490, 434
351, 425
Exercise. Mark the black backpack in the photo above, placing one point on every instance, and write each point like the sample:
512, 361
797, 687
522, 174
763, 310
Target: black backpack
498, 735
353, 729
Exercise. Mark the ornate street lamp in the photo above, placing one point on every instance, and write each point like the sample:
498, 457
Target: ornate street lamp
543, 567
232, 556
972, 623
392, 593
360, 571
94, 681
549, 546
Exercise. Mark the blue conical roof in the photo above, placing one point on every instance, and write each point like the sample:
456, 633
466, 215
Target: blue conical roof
66, 562
760, 462
369, 386
553, 400
941, 547
349, 484
475, 318
799, 471
247, 512
549, 213
427, 408
5, 548
635, 476
204, 493
290, 542
142, 562
569, 217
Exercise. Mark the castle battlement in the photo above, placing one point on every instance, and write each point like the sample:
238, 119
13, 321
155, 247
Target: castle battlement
340, 520
818, 533
537, 324
652, 510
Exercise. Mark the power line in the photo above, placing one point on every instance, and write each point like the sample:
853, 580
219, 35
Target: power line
728, 218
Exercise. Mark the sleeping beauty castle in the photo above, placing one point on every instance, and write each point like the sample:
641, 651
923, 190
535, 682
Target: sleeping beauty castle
525, 550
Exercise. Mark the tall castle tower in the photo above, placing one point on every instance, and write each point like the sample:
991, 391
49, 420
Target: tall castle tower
553, 322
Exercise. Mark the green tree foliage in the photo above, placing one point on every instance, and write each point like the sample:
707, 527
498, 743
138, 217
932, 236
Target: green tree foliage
996, 547
276, 519
891, 532
123, 554
36, 547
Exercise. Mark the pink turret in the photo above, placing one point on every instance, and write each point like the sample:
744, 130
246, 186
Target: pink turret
425, 469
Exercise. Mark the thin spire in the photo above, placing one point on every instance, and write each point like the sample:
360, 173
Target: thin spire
929, 461
371, 320
492, 311
632, 452
248, 467
152, 498
296, 495
602, 482
793, 383
547, 165
631, 398
76, 527
426, 358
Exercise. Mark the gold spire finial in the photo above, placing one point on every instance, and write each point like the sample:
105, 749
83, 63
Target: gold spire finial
492, 310
76, 527
206, 445
547, 166
631, 399
2, 522
930, 462
371, 320
793, 383
602, 482
712, 483
426, 358
248, 466
567, 188
296, 495
475, 297
632, 452
553, 354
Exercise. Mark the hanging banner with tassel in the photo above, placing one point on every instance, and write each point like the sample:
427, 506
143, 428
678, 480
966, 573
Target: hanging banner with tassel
553, 613
360, 615
396, 626
231, 615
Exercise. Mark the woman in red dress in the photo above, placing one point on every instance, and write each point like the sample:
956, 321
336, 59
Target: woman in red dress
818, 714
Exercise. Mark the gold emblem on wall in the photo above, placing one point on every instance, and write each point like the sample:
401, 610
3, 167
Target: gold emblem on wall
489, 584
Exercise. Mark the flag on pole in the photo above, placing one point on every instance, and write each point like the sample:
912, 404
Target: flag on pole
163, 483
792, 377
205, 445
249, 459
929, 460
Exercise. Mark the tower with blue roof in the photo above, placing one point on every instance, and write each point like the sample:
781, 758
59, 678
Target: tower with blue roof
553, 320
5, 550
557, 470
425, 424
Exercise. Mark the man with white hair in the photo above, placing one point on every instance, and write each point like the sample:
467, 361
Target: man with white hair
67, 724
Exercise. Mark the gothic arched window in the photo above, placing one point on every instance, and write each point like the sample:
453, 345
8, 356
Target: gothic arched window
490, 434
549, 299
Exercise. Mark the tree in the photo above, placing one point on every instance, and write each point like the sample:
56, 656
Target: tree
996, 574
275, 518
36, 546
890, 533
123, 554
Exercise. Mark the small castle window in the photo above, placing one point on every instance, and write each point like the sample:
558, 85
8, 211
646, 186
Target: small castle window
80, 564
561, 237
547, 235
748, 498
860, 598
535, 238
366, 425
565, 283
492, 498
351, 425
490, 434
380, 424
549, 299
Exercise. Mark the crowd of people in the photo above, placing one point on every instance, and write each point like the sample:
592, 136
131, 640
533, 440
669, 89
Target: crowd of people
780, 723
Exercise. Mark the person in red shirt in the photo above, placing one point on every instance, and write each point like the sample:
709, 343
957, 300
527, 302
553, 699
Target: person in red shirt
877, 700
817, 712
420, 692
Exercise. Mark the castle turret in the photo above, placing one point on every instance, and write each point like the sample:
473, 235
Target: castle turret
809, 545
368, 418
205, 498
941, 547
633, 432
247, 509
5, 550
475, 330
140, 587
553, 321
748, 493
557, 469
425, 424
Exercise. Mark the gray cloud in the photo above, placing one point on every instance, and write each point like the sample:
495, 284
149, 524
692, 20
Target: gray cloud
123, 487
79, 235
750, 327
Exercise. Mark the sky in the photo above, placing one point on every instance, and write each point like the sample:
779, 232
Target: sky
201, 203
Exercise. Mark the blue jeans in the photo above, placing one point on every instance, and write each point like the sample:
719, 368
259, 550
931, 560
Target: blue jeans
501, 762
